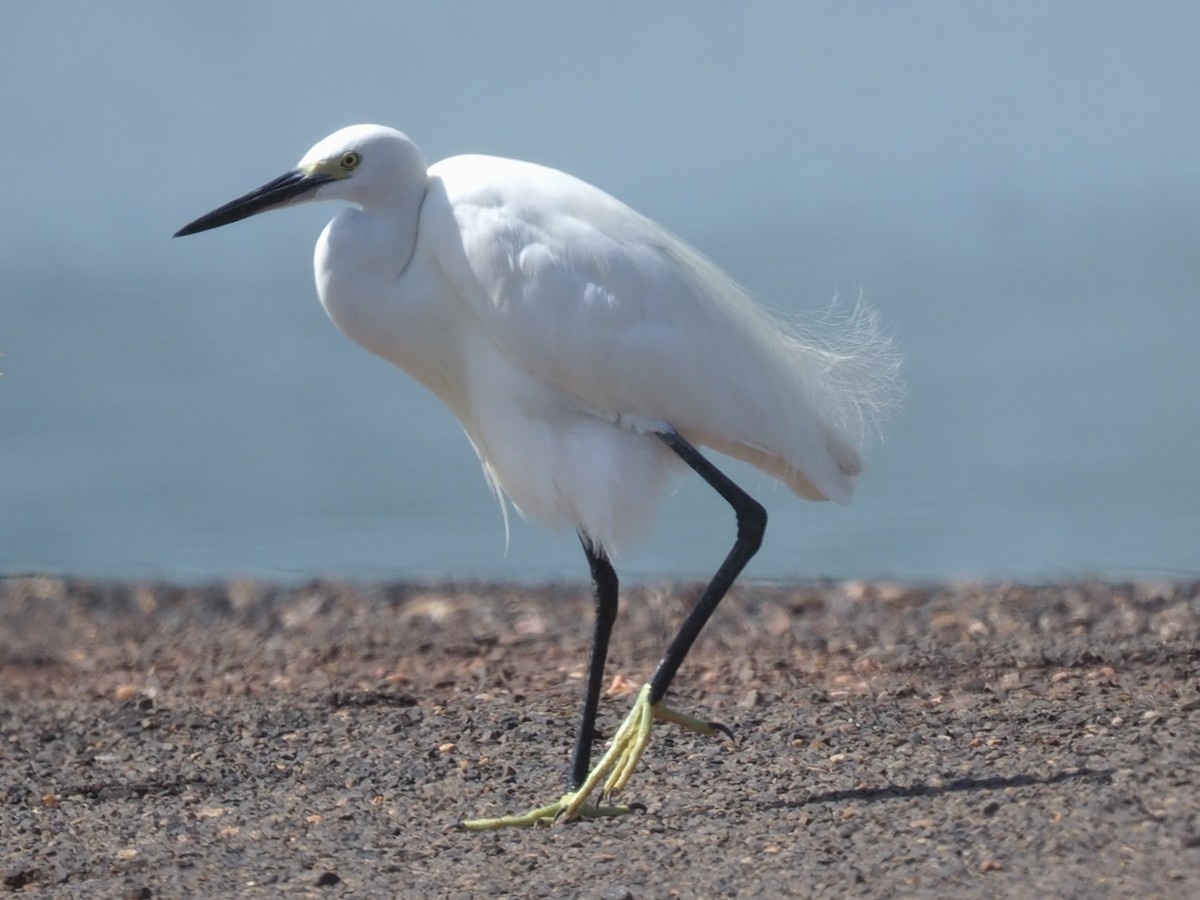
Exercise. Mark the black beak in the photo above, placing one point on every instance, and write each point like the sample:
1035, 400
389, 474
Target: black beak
285, 189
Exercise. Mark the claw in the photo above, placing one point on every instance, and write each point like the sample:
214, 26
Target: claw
717, 726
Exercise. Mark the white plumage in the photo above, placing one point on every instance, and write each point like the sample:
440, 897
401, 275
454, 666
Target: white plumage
562, 327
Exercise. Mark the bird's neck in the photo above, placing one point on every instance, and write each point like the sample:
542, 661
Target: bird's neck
379, 288
361, 247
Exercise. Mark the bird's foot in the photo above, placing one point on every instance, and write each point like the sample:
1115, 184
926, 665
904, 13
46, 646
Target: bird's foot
610, 774
545, 816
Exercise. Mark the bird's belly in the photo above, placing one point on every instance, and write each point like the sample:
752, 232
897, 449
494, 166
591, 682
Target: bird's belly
564, 466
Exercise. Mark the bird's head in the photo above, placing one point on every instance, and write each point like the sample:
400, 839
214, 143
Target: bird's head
362, 164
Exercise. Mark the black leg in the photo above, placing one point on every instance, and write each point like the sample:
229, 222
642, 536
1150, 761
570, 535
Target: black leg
604, 580
751, 521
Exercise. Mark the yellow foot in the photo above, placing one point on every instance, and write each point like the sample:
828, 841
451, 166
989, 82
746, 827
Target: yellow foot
545, 816
610, 774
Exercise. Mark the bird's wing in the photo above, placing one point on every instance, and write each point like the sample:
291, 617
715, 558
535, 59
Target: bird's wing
587, 295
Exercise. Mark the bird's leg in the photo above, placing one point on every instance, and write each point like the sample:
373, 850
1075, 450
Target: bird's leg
751, 524
615, 768
604, 581
629, 743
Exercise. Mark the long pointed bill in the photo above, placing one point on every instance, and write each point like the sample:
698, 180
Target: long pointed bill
285, 189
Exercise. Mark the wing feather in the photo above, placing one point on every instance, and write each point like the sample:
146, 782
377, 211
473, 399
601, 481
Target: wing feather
587, 295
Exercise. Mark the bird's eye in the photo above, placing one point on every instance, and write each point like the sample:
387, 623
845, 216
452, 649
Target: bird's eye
350, 160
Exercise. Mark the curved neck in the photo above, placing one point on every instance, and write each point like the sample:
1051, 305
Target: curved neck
381, 290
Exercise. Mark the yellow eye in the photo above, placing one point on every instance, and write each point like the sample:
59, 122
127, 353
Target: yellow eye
350, 160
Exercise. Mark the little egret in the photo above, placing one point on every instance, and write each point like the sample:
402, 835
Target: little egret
586, 351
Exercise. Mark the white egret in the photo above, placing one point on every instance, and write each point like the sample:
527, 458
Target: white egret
586, 351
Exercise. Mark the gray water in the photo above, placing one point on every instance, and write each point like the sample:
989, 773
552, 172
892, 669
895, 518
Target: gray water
1016, 190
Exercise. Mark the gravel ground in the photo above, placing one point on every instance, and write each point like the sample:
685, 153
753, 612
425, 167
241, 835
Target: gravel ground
249, 739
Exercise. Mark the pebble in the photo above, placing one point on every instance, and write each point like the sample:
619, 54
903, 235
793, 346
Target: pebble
965, 740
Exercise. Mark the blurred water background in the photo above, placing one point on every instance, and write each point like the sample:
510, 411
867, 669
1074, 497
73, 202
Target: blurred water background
1015, 186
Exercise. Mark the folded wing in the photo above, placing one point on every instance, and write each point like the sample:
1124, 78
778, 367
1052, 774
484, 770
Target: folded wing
617, 313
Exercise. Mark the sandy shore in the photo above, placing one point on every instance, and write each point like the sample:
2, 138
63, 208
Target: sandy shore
245, 739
